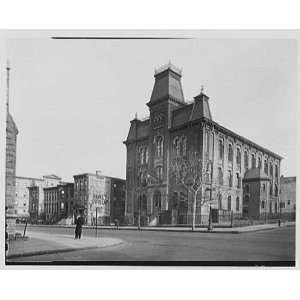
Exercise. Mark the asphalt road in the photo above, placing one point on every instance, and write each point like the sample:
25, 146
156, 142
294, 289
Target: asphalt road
269, 245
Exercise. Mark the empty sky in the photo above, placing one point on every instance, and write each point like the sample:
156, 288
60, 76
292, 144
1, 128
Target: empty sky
72, 100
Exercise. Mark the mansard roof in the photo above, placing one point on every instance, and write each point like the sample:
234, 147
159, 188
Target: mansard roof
139, 129
167, 85
196, 110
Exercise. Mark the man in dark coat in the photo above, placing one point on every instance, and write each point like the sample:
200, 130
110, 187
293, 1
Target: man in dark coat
78, 229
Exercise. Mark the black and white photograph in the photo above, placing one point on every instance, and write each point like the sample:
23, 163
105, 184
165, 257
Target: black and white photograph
150, 148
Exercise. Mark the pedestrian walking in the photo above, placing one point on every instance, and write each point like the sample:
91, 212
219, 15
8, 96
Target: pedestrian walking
117, 223
78, 228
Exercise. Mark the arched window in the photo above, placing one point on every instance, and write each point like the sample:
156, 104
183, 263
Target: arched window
266, 167
253, 162
246, 160
207, 141
146, 155
230, 153
238, 180
159, 146
220, 201
259, 163
276, 190
230, 178
220, 176
237, 204
229, 203
221, 150
144, 204
238, 157
157, 200
271, 170
143, 179
176, 146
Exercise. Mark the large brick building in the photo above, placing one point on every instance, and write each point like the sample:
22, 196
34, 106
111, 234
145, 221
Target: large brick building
177, 129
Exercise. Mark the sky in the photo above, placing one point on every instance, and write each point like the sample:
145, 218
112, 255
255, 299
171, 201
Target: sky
73, 100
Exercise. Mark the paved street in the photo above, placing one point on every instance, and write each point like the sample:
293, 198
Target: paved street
276, 244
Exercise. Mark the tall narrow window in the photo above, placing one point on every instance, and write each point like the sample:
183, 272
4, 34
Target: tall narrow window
253, 162
246, 160
220, 176
238, 157
146, 155
176, 146
276, 190
207, 141
159, 146
229, 203
159, 173
276, 171
237, 204
220, 201
238, 180
221, 150
230, 178
230, 153
259, 163
266, 167
271, 171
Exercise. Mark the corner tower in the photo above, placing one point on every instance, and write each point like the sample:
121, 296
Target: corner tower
167, 95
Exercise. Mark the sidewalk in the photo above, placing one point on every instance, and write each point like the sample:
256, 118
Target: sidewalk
43, 243
243, 229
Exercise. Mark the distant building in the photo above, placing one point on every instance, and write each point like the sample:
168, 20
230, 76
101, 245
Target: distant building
36, 195
51, 204
99, 195
287, 195
258, 202
22, 194
58, 202
178, 130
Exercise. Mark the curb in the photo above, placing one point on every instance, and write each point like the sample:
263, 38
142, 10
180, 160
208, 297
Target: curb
54, 251
160, 229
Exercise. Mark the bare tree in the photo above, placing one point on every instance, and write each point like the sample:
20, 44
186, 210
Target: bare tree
190, 173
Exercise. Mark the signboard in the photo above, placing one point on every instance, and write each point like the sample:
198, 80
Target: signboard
99, 197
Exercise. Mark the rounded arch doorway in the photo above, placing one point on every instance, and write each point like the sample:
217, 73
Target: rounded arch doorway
157, 201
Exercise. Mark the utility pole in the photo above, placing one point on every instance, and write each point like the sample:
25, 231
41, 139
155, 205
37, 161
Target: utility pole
96, 222
139, 217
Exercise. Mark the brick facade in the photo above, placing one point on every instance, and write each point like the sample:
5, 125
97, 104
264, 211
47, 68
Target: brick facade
175, 129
